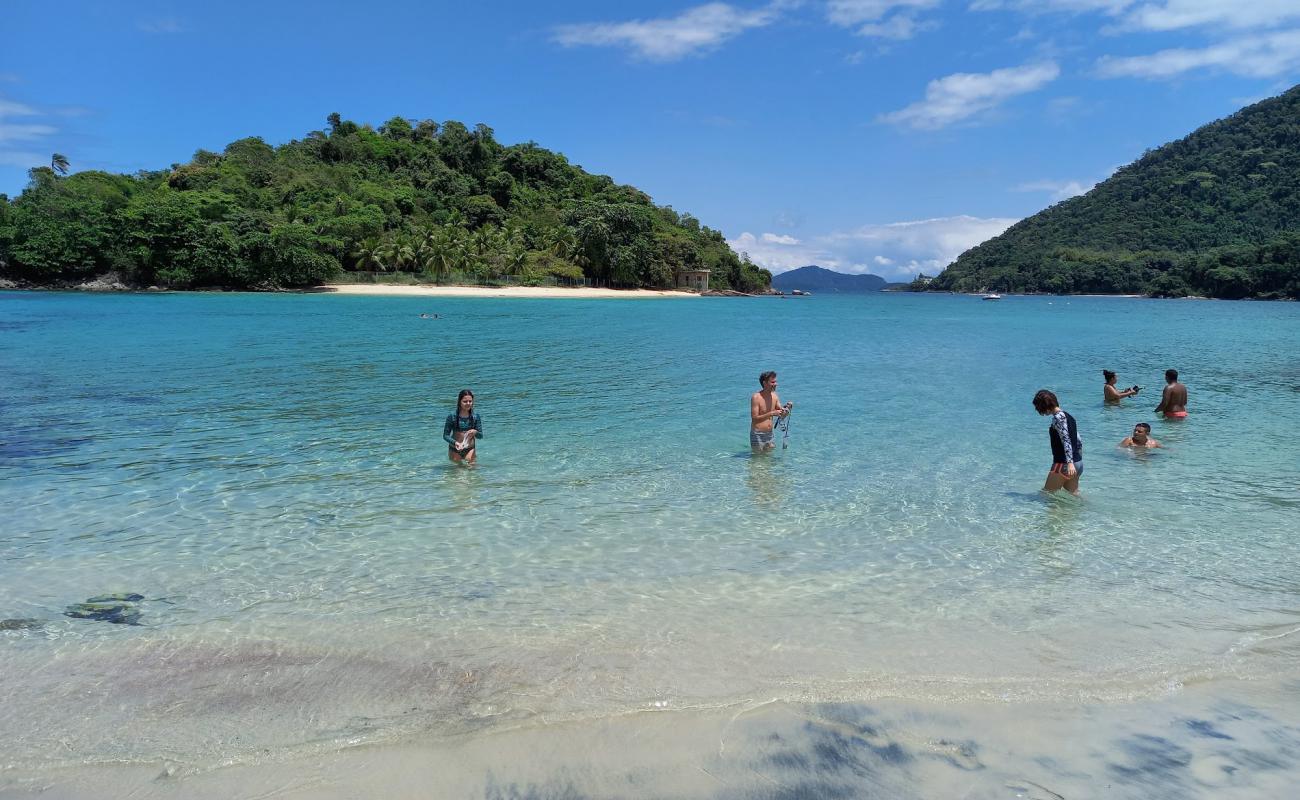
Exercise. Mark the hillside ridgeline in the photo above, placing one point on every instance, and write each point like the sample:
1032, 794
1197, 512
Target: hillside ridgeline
1216, 213
819, 279
438, 201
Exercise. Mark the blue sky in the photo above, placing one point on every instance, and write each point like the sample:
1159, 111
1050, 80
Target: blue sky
879, 136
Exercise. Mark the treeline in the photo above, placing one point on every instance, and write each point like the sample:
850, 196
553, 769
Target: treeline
1216, 213
1268, 272
438, 200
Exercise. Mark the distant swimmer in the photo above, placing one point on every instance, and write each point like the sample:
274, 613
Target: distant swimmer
764, 406
463, 429
1173, 403
1067, 447
1113, 395
1141, 437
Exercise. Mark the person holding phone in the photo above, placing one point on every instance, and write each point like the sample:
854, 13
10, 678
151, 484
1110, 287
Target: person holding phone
1113, 395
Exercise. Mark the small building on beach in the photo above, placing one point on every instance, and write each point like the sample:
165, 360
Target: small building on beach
697, 279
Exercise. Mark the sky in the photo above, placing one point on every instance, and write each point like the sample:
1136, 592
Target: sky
882, 136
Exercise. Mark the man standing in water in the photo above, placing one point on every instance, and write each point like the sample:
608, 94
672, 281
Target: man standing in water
1173, 403
764, 406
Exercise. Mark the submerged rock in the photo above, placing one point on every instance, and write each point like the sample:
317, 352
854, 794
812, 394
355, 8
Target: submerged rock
118, 613
117, 598
19, 624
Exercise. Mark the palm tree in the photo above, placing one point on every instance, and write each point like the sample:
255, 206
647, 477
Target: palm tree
516, 260
368, 254
59, 163
561, 242
430, 254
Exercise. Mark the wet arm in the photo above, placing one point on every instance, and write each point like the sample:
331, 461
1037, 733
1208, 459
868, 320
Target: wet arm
447, 432
1164, 400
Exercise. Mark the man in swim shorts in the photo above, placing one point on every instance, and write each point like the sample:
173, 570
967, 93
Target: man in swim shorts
1173, 403
1141, 437
764, 406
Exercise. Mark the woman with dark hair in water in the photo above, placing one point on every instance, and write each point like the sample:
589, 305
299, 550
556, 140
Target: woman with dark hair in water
1067, 447
463, 429
1113, 395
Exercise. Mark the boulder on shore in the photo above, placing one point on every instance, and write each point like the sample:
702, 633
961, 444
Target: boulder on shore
108, 282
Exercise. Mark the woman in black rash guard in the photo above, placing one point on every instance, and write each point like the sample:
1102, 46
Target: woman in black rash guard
463, 429
1067, 447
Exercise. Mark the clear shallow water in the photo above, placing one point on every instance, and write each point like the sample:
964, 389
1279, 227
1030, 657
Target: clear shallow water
268, 471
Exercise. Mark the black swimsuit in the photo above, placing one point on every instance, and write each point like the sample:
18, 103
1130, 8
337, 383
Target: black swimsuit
457, 424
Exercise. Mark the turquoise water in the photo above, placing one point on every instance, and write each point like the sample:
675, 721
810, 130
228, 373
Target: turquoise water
268, 471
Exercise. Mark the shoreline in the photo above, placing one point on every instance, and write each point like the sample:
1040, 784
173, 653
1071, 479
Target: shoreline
1205, 742
390, 290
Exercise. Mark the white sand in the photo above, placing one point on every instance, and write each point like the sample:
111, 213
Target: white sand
489, 291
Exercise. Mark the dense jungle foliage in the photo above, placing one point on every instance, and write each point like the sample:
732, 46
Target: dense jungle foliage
441, 201
1216, 213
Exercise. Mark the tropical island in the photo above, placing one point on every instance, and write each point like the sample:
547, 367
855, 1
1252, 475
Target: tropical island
411, 201
813, 278
1216, 214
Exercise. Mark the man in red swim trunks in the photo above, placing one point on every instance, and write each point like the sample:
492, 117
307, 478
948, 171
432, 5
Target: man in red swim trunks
1173, 403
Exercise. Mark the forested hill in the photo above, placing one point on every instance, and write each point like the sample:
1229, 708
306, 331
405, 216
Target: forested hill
439, 200
819, 279
1216, 213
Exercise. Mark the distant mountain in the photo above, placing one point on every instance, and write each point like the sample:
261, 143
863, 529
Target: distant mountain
819, 279
1215, 213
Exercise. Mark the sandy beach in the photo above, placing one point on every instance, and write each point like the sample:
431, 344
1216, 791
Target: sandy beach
490, 291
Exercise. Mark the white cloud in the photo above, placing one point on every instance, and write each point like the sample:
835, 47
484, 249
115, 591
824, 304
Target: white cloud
1060, 190
695, 30
869, 17
896, 250
1164, 15
898, 27
1172, 15
1038, 6
26, 133
781, 257
922, 245
23, 133
23, 159
772, 238
847, 13
964, 95
9, 108
1260, 56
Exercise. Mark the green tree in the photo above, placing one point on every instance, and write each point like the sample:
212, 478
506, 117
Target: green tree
439, 198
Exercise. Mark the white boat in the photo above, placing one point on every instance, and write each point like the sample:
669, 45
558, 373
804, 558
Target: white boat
992, 296
800, 293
